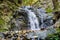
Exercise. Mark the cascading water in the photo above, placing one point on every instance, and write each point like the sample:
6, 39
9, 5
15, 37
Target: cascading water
34, 17
33, 20
44, 17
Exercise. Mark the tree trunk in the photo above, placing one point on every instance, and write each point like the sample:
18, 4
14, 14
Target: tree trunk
55, 4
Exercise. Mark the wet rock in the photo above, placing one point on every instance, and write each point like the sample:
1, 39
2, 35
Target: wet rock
15, 35
1, 34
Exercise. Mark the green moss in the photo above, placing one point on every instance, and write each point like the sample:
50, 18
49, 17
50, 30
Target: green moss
49, 10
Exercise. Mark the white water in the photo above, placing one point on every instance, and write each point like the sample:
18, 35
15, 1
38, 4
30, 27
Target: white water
42, 15
33, 20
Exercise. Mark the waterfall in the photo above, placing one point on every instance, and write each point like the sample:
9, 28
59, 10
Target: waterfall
33, 20
36, 18
28, 16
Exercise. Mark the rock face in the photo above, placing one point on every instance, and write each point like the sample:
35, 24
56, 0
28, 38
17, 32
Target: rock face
19, 20
56, 16
28, 17
57, 24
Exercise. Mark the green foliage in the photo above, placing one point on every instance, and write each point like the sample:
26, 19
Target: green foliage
3, 30
1, 22
49, 10
28, 2
58, 30
55, 36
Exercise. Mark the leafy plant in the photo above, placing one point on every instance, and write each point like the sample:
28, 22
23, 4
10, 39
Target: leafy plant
55, 36
49, 10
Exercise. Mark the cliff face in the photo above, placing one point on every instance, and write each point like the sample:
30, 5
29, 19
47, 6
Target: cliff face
19, 21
